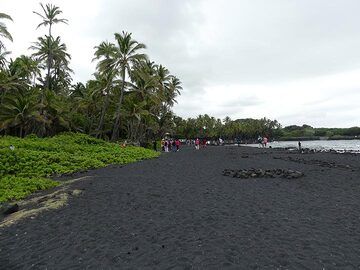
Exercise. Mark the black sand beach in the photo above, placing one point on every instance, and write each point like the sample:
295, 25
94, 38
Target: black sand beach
180, 212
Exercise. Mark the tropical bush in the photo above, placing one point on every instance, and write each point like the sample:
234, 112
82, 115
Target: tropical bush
23, 169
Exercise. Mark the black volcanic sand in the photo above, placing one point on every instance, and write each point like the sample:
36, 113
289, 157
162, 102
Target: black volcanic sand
180, 212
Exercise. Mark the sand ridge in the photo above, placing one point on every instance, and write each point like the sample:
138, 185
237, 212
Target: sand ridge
37, 203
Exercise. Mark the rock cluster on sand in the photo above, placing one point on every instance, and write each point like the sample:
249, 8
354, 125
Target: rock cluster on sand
320, 163
261, 173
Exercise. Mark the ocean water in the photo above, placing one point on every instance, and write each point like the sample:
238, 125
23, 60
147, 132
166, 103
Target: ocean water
338, 145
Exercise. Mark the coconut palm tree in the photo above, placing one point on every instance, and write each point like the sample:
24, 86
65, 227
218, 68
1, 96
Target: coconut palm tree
4, 33
143, 102
60, 59
104, 85
164, 77
125, 55
105, 50
44, 47
3, 29
19, 112
105, 79
26, 68
174, 87
144, 80
84, 107
3, 60
9, 83
50, 17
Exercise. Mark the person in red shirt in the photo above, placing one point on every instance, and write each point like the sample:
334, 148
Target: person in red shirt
197, 144
204, 143
265, 141
177, 143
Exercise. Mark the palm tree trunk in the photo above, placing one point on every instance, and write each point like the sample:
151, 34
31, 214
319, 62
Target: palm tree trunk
102, 116
48, 71
115, 134
49, 62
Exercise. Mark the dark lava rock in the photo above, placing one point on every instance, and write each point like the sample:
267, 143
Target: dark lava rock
261, 173
7, 209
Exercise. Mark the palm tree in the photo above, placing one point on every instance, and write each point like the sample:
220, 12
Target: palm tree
50, 16
105, 79
105, 50
3, 60
3, 29
46, 46
9, 83
169, 86
144, 80
26, 68
164, 77
143, 101
135, 112
104, 83
174, 88
51, 12
4, 33
18, 111
125, 55
84, 106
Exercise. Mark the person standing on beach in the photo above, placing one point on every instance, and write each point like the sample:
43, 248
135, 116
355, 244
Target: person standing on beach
197, 144
162, 145
265, 141
221, 141
173, 146
177, 142
204, 143
299, 143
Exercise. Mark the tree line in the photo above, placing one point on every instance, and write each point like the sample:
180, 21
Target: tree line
205, 126
129, 96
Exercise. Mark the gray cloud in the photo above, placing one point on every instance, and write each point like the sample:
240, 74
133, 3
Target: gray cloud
274, 50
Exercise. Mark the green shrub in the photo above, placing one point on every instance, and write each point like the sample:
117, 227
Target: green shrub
34, 158
13, 187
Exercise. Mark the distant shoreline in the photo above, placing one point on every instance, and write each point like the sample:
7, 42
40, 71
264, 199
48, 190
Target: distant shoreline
333, 138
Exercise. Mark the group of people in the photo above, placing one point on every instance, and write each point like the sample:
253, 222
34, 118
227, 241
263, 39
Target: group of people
263, 141
173, 145
170, 145
199, 143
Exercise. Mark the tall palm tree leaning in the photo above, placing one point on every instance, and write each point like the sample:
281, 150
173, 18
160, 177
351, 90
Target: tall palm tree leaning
51, 12
125, 55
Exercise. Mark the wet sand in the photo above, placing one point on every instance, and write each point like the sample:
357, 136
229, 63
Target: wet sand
180, 212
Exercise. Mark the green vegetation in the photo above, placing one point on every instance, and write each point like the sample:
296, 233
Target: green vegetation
13, 187
306, 132
210, 127
249, 129
23, 169
129, 97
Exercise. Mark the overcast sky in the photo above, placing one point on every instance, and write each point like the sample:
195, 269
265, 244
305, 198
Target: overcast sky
297, 61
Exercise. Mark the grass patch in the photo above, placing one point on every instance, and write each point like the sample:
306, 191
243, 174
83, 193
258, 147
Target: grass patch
12, 187
25, 169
